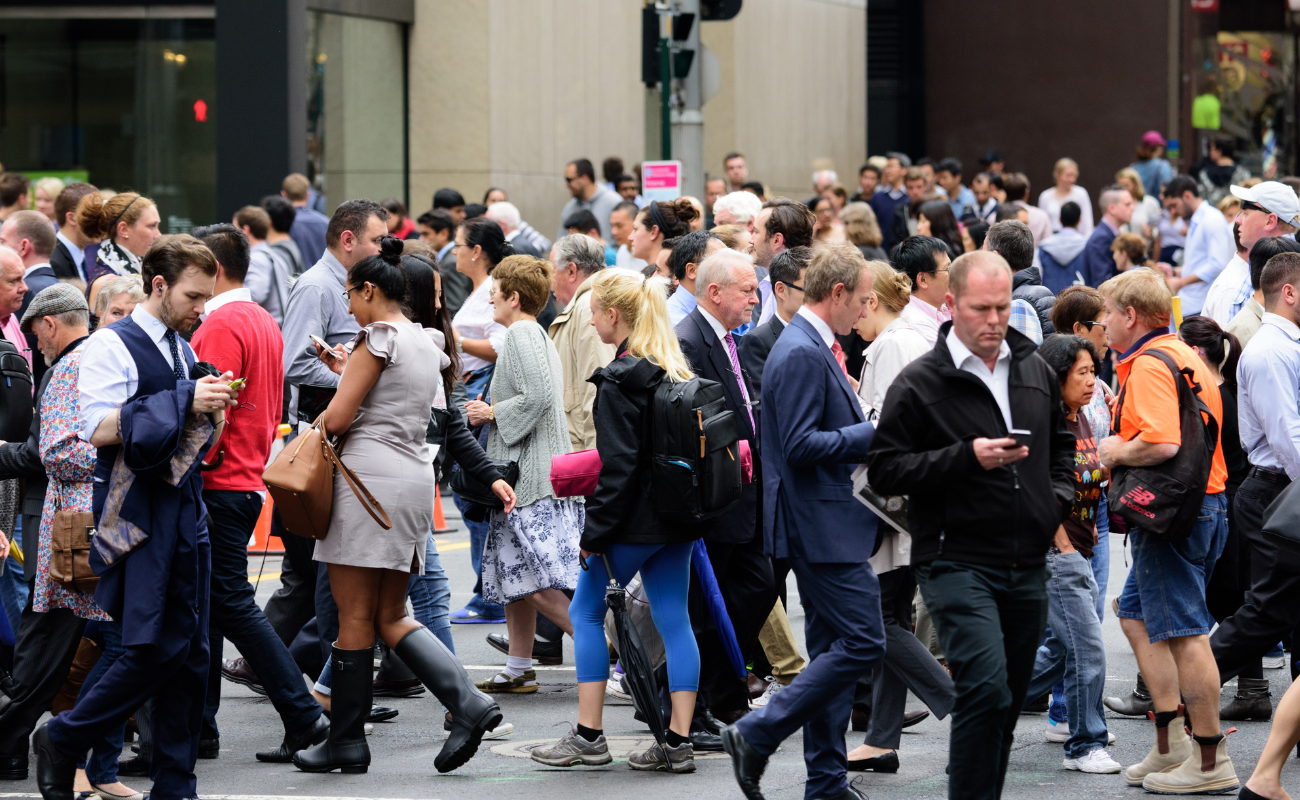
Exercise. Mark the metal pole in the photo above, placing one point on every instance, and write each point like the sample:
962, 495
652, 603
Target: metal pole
665, 94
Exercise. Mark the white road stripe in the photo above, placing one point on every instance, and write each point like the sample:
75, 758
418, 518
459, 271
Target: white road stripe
247, 797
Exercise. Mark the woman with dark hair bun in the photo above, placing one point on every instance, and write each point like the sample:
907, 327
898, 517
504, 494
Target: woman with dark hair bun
657, 222
390, 379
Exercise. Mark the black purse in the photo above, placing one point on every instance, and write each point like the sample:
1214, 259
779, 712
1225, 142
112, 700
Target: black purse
475, 491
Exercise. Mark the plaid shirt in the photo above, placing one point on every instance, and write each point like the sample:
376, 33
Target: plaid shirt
1244, 293
1025, 319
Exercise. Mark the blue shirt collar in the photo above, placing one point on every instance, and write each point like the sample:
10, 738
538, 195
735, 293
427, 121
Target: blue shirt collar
1140, 343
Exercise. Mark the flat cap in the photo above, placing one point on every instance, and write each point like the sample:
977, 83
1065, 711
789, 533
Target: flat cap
54, 300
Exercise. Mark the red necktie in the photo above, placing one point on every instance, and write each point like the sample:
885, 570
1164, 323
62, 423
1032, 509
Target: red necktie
840, 357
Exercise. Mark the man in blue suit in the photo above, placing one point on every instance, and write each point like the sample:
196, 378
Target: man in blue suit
814, 433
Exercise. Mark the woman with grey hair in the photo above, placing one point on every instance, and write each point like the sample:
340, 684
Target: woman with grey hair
862, 229
117, 299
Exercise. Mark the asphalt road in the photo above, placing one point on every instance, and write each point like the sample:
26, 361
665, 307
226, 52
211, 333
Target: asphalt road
403, 751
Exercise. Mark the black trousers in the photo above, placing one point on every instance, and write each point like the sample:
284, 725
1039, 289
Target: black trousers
45, 646
1272, 608
745, 579
294, 603
990, 621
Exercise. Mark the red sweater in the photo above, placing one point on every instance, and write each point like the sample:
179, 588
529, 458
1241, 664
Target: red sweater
240, 337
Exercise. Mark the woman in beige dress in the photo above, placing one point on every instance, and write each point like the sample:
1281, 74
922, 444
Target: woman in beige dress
389, 380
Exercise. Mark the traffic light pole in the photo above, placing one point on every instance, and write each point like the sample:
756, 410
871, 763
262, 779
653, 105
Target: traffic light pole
665, 97
688, 122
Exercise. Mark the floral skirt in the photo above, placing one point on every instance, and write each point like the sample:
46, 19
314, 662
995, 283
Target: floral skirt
534, 547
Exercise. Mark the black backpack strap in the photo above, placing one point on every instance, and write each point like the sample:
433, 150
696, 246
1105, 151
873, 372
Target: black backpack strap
1189, 395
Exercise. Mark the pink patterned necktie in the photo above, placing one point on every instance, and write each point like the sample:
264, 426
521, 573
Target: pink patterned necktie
735, 368
840, 358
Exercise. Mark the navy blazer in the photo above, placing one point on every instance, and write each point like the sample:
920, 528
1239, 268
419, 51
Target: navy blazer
1098, 262
710, 360
815, 436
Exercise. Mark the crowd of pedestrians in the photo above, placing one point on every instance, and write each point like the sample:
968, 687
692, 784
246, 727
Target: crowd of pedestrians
1131, 366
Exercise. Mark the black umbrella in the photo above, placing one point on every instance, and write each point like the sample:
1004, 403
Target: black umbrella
638, 671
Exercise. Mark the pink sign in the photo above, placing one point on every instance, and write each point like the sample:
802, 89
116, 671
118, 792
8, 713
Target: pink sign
661, 180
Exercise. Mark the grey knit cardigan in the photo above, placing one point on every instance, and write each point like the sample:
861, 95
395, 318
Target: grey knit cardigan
528, 402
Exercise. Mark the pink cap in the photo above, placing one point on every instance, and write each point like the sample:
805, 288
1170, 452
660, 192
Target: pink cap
1153, 138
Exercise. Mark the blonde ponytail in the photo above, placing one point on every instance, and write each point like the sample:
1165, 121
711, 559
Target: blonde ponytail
642, 303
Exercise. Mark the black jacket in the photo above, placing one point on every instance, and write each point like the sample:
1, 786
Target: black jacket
62, 262
958, 511
710, 360
754, 348
41, 279
622, 509
1027, 285
464, 449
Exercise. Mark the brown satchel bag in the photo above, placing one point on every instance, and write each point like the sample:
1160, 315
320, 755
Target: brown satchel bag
301, 482
70, 539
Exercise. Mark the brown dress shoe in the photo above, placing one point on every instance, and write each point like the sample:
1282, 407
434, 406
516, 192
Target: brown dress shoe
756, 686
238, 671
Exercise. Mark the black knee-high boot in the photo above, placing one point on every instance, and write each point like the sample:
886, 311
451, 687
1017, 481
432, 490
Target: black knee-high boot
350, 699
472, 712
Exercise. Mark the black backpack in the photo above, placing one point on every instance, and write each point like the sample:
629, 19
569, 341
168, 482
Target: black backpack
15, 394
1164, 500
695, 451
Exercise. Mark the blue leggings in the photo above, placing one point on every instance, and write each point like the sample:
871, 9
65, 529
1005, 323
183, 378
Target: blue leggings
666, 573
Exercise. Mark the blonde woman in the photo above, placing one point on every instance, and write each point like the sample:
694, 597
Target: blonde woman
117, 298
1146, 209
736, 237
629, 311
44, 194
862, 229
1066, 174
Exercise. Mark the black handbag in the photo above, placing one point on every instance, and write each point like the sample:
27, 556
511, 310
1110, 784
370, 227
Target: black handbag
475, 491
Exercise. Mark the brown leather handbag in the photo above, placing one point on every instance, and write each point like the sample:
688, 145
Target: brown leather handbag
301, 482
71, 535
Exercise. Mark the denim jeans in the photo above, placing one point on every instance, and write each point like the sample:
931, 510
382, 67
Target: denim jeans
235, 615
101, 766
478, 532
1101, 573
1166, 586
1074, 651
430, 595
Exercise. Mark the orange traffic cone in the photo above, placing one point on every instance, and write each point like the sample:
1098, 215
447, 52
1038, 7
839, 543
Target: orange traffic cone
439, 521
263, 541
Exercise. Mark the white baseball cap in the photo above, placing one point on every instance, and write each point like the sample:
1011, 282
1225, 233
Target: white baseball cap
1276, 198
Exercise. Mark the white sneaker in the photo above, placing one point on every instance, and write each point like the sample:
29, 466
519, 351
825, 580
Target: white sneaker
501, 731
1060, 731
773, 686
614, 689
1274, 663
1096, 761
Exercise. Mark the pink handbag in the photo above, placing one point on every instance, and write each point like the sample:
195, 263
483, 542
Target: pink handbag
576, 474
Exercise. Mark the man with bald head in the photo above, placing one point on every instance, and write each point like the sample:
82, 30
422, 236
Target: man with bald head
30, 235
985, 505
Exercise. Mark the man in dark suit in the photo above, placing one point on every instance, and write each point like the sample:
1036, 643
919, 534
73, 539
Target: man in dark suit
437, 229
815, 434
726, 290
29, 234
787, 272
69, 257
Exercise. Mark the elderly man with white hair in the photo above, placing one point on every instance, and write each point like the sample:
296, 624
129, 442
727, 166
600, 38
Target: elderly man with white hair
737, 208
822, 180
524, 238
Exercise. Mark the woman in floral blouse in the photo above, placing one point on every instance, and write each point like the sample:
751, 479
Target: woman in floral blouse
70, 464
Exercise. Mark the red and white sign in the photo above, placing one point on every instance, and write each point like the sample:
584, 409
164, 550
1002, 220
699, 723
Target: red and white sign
661, 180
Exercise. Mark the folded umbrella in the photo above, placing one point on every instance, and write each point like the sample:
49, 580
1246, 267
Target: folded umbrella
718, 608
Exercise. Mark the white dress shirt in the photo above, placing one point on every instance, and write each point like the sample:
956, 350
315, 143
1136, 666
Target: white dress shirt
1223, 293
1208, 250
997, 380
78, 255
232, 296
819, 324
108, 372
1268, 396
474, 321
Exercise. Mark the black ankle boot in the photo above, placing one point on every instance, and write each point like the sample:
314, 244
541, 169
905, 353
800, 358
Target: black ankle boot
472, 712
1253, 701
1137, 704
55, 770
346, 747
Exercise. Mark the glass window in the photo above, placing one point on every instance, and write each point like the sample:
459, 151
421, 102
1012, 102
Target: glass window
125, 104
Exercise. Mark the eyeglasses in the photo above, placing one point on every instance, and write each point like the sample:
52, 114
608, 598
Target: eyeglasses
349, 290
1090, 324
937, 271
791, 285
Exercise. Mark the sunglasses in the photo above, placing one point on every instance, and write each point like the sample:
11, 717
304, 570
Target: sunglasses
1090, 324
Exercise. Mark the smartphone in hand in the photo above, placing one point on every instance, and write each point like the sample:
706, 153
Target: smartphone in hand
324, 346
1021, 436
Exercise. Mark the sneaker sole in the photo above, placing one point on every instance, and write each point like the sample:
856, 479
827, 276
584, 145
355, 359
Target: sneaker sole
1073, 765
659, 766
574, 761
1218, 787
500, 732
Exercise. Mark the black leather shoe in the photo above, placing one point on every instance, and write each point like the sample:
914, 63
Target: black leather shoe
887, 762
547, 653
381, 714
911, 718
711, 723
301, 739
13, 768
386, 688
747, 763
55, 771
706, 742
1038, 705
851, 793
209, 748
135, 767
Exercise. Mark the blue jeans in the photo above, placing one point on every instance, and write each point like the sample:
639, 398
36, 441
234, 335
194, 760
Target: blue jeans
478, 532
430, 596
1166, 586
13, 589
1074, 651
1100, 573
666, 574
101, 767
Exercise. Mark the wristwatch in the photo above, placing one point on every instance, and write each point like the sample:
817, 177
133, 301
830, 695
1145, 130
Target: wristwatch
492, 414
460, 346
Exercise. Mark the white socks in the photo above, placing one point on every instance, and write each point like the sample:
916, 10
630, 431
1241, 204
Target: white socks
516, 666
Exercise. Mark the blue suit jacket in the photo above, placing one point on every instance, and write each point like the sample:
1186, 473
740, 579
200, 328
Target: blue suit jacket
813, 435
1098, 263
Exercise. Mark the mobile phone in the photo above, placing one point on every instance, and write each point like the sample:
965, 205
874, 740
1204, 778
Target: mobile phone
1021, 436
324, 345
238, 384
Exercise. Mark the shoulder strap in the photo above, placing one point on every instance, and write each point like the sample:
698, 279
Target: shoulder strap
1189, 391
358, 488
